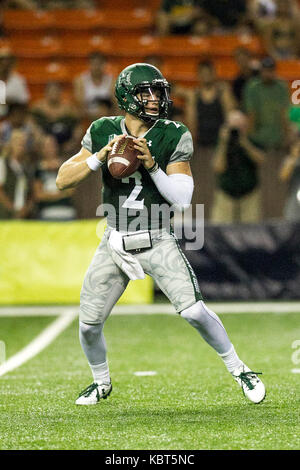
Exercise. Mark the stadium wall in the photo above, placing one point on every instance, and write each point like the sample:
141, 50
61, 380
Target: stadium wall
249, 262
45, 262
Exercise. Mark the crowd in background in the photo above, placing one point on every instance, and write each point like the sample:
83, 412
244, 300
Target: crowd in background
246, 163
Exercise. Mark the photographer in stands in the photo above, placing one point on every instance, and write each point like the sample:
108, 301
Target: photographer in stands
237, 197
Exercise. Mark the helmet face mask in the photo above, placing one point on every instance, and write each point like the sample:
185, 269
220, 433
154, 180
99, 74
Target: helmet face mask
154, 100
142, 91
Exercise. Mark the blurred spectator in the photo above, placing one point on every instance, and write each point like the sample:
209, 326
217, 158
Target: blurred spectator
262, 9
52, 203
290, 173
206, 109
207, 105
237, 197
178, 16
228, 14
15, 182
281, 34
177, 114
104, 108
203, 26
20, 4
266, 101
55, 115
92, 86
248, 69
262, 12
18, 119
16, 87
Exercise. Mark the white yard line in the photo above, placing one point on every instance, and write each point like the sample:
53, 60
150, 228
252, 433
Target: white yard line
40, 342
218, 307
67, 315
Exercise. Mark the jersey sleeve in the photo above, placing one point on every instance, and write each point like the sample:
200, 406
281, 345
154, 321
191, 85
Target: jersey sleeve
87, 139
99, 133
184, 148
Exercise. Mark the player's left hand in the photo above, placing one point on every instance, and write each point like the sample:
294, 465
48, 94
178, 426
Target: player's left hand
145, 155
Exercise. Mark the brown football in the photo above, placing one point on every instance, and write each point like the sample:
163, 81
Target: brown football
122, 160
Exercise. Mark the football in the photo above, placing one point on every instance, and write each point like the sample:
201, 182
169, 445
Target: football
122, 160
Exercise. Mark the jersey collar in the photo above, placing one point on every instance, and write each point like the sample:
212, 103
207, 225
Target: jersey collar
125, 131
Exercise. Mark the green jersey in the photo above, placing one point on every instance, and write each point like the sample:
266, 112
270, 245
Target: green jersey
134, 203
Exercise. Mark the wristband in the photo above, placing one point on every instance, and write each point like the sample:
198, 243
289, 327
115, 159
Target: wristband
93, 163
153, 169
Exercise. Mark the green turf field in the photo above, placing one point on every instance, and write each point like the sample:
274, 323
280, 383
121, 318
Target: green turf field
192, 402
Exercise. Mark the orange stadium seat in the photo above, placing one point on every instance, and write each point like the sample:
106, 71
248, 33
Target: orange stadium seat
130, 4
288, 69
183, 71
76, 66
23, 20
78, 19
45, 46
226, 68
184, 45
37, 91
226, 45
40, 72
117, 64
138, 19
78, 46
5, 43
135, 46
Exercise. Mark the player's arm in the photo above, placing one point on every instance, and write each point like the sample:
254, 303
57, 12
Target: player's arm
175, 168
289, 163
74, 170
80, 166
176, 185
254, 152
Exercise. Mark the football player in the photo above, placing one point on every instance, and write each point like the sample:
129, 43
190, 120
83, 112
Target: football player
128, 251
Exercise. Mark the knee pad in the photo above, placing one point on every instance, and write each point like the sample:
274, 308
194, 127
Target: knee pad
199, 314
193, 313
90, 332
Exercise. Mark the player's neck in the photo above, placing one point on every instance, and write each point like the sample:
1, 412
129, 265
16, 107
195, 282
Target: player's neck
136, 127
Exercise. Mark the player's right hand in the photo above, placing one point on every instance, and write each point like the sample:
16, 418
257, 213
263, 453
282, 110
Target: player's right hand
102, 154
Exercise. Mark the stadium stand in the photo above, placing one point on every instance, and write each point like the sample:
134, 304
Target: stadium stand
28, 20
55, 45
67, 37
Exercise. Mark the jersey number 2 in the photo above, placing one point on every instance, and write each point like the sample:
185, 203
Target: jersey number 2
131, 202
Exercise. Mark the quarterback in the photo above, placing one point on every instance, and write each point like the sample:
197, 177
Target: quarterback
128, 250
